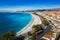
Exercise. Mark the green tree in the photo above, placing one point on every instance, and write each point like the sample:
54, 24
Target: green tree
36, 27
42, 39
51, 33
8, 36
31, 35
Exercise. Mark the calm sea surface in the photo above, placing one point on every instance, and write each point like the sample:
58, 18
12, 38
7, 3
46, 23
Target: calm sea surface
13, 21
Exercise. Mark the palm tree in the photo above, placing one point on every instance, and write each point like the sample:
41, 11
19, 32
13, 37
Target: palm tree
36, 27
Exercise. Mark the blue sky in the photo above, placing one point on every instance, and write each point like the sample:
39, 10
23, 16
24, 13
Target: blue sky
29, 4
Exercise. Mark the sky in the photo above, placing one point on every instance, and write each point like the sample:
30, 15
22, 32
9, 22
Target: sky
28, 4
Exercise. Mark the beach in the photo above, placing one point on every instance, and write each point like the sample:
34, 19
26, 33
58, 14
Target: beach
35, 20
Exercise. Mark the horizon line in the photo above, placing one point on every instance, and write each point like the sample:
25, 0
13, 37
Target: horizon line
26, 8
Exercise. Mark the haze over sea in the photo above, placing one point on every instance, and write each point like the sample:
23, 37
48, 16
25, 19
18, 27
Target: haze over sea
13, 21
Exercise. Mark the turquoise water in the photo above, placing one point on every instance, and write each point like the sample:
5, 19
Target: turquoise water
13, 21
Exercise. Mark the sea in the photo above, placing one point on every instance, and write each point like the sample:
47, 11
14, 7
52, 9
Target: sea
13, 21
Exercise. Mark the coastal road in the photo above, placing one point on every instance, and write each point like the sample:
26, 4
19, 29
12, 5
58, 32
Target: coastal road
37, 18
47, 29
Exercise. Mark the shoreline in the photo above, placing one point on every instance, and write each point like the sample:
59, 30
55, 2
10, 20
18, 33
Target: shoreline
35, 20
21, 31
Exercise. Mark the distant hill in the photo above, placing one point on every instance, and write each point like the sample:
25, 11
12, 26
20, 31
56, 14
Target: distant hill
40, 10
